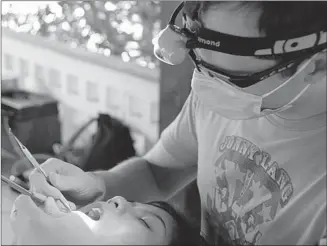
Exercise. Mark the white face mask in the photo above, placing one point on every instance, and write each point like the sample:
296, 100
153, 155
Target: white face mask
234, 103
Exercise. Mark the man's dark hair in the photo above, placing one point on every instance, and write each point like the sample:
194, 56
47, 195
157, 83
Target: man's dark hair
286, 18
185, 233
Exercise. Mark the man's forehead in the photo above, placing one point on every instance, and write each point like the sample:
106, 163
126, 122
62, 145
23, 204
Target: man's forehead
233, 19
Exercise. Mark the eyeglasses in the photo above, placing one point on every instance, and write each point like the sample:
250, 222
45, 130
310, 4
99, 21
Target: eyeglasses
244, 81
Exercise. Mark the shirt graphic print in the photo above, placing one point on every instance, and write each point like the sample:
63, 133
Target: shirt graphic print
248, 190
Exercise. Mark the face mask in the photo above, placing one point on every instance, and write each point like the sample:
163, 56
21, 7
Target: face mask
234, 103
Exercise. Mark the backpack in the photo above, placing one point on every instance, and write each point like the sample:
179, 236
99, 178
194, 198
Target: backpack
111, 144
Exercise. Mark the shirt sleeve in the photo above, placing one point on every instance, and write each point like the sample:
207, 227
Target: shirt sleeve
177, 146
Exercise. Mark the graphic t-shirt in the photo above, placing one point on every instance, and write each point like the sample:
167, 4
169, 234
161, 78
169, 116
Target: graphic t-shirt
261, 181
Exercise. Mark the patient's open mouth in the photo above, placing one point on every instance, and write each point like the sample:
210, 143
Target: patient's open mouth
94, 211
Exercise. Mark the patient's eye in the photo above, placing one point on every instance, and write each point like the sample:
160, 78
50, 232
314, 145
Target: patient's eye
145, 223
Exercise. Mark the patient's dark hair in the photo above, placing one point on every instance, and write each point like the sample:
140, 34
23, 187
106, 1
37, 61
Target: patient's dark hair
185, 233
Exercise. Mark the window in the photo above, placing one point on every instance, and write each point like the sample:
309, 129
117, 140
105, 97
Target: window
72, 84
92, 94
54, 78
8, 61
23, 67
40, 79
154, 113
135, 107
23, 70
39, 73
112, 98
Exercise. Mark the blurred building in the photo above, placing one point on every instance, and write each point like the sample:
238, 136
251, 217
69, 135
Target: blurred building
85, 84
81, 53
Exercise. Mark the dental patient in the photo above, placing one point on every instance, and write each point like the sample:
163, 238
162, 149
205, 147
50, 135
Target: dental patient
115, 222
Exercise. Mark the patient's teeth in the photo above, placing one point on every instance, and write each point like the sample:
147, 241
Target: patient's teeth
94, 213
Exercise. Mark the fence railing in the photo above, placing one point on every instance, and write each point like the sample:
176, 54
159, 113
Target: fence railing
85, 84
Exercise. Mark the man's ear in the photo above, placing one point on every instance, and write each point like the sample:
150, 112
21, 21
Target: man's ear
317, 68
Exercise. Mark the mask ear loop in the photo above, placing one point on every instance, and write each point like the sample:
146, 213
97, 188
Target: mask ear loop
193, 59
289, 104
294, 75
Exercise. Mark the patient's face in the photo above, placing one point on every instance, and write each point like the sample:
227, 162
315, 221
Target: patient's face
113, 222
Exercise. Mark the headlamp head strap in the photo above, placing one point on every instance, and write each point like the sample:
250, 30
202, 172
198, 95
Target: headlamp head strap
245, 46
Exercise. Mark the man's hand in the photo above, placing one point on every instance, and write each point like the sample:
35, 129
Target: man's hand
78, 186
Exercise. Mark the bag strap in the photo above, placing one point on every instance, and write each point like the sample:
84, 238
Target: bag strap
73, 139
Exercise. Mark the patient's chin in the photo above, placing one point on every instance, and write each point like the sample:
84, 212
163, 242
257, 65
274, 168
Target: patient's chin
13, 213
24, 204
19, 218
18, 225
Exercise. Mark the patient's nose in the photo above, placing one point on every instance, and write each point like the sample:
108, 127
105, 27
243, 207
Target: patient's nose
121, 204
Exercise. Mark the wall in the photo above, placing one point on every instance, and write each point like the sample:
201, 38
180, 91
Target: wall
85, 83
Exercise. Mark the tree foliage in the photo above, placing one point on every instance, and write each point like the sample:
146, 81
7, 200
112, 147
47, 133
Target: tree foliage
120, 28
